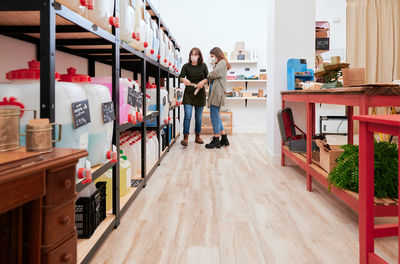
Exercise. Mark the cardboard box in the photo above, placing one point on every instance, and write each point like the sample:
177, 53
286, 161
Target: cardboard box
239, 46
327, 158
353, 77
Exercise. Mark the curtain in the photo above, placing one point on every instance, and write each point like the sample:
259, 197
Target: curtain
373, 38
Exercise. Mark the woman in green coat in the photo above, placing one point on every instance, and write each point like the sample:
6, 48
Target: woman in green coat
216, 98
194, 76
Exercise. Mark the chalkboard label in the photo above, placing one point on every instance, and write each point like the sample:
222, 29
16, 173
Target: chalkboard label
132, 97
263, 70
246, 69
322, 44
80, 113
139, 101
108, 112
164, 101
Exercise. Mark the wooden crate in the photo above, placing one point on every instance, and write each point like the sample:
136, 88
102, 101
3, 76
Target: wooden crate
227, 121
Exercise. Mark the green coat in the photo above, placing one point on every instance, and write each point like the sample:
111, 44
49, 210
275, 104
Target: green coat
218, 90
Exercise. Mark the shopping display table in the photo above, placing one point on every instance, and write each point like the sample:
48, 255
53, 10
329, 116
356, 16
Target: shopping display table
37, 209
363, 97
388, 124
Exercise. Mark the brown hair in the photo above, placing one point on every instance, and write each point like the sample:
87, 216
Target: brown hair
200, 61
217, 52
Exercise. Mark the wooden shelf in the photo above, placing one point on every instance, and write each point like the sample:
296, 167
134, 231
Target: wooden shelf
349, 197
247, 98
249, 81
243, 62
86, 245
124, 199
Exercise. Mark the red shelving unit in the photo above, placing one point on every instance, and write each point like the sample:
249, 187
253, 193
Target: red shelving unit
363, 97
368, 231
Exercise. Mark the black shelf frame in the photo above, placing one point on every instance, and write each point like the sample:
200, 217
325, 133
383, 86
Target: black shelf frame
118, 54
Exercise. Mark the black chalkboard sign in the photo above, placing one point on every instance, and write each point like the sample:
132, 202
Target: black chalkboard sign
80, 113
164, 101
322, 44
132, 97
139, 97
108, 112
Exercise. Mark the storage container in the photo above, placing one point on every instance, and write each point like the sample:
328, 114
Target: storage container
25, 88
68, 91
140, 27
170, 54
155, 51
78, 6
102, 14
126, 112
100, 134
23, 91
9, 128
162, 47
287, 127
148, 43
90, 211
164, 103
166, 59
127, 20
125, 173
39, 135
328, 154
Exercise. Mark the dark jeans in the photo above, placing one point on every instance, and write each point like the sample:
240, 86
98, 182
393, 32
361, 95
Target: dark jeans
188, 117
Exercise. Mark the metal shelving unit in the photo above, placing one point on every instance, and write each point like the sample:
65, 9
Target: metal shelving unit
51, 26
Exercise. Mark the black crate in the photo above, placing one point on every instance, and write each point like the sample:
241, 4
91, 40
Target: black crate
90, 211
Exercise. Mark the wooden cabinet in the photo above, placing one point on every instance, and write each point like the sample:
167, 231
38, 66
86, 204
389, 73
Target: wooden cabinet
37, 212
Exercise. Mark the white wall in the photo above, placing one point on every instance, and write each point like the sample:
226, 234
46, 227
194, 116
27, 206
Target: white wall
209, 23
335, 13
291, 34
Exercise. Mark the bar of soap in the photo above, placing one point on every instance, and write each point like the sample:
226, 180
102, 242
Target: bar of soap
39, 122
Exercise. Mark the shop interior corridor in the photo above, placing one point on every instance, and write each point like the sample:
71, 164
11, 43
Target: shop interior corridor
231, 206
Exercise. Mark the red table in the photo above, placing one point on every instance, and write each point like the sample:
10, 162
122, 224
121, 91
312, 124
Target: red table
363, 97
388, 124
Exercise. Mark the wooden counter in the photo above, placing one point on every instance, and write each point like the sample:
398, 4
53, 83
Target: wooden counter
37, 209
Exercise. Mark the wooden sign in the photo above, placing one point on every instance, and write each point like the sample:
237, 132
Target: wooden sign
108, 112
80, 113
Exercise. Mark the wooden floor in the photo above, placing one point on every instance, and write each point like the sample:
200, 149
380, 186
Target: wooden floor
231, 206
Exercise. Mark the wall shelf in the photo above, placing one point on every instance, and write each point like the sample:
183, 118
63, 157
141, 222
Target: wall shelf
248, 81
247, 98
243, 62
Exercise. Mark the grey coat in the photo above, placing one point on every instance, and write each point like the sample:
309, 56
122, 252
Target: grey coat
218, 91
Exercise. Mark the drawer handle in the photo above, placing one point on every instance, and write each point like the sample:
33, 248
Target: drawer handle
67, 258
67, 184
66, 220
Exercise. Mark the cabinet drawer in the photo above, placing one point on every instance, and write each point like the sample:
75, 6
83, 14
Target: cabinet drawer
65, 253
17, 192
58, 221
60, 184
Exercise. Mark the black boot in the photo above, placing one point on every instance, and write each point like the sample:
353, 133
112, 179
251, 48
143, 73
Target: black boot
214, 143
224, 141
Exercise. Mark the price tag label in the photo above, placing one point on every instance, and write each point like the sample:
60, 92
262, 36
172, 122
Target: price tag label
80, 113
108, 112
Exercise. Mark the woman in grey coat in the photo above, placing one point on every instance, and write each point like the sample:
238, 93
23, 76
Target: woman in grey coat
216, 97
